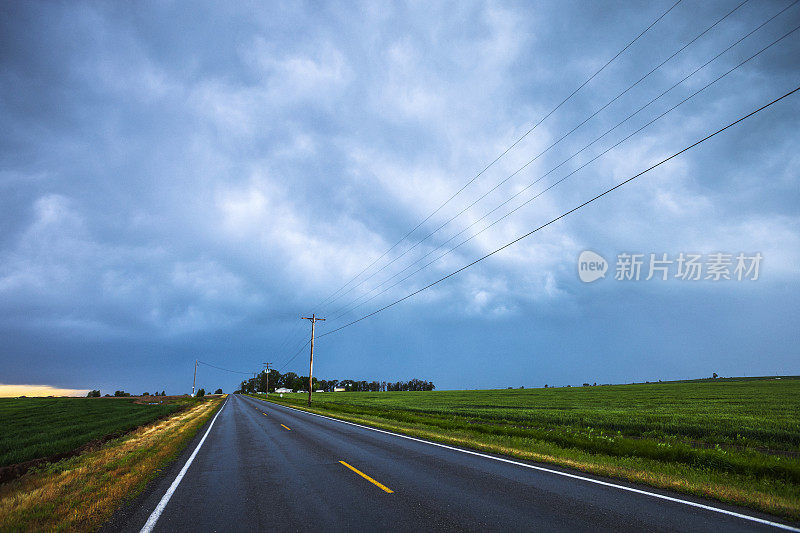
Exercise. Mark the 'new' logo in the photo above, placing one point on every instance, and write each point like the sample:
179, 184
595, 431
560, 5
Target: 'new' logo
591, 266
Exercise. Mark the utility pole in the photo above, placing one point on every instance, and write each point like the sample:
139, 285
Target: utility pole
194, 379
267, 391
313, 318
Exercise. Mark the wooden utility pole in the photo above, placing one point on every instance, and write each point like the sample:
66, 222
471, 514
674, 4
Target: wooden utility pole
267, 391
194, 379
313, 318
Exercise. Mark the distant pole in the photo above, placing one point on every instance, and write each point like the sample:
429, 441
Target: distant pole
313, 318
194, 379
267, 391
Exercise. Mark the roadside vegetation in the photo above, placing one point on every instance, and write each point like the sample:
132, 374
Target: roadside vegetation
36, 428
80, 493
735, 441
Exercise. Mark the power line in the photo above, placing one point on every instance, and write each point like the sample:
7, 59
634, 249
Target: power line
295, 355
529, 131
225, 369
287, 338
565, 177
350, 307
298, 344
294, 329
563, 215
552, 145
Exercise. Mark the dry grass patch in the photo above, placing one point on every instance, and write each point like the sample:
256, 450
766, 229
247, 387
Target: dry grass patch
81, 493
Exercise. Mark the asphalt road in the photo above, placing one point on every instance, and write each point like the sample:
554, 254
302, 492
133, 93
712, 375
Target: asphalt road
265, 467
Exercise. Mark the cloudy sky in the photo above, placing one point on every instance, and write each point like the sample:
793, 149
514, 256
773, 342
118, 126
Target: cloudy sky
184, 180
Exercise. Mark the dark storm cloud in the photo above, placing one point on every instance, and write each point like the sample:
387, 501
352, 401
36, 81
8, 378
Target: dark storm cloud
182, 182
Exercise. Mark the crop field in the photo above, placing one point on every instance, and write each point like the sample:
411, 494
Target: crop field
34, 428
80, 493
736, 440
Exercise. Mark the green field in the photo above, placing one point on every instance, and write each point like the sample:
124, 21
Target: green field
34, 428
735, 440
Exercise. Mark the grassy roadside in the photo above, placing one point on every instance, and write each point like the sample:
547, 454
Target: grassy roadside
727, 472
80, 493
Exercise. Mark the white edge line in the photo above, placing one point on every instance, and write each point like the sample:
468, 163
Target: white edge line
558, 472
154, 516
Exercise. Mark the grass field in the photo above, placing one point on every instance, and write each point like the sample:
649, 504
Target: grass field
737, 441
81, 493
34, 428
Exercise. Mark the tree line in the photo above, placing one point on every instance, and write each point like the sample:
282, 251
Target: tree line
293, 382
121, 393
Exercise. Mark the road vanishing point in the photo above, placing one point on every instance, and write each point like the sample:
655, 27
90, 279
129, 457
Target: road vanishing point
259, 466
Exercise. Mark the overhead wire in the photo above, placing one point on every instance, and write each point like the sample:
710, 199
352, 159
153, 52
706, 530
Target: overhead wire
286, 363
563, 215
552, 145
225, 369
506, 151
569, 212
350, 307
528, 132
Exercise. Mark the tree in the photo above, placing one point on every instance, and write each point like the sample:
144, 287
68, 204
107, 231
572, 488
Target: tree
145, 394
93, 394
218, 391
201, 393
289, 380
300, 383
274, 378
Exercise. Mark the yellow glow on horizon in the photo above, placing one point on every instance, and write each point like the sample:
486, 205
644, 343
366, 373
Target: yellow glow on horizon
12, 391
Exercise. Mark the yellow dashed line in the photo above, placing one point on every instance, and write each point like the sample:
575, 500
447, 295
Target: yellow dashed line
287, 427
362, 474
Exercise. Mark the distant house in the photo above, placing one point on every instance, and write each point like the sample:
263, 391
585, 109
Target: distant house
339, 389
282, 390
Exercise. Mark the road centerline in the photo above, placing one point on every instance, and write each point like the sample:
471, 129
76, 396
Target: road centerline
287, 427
371, 480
